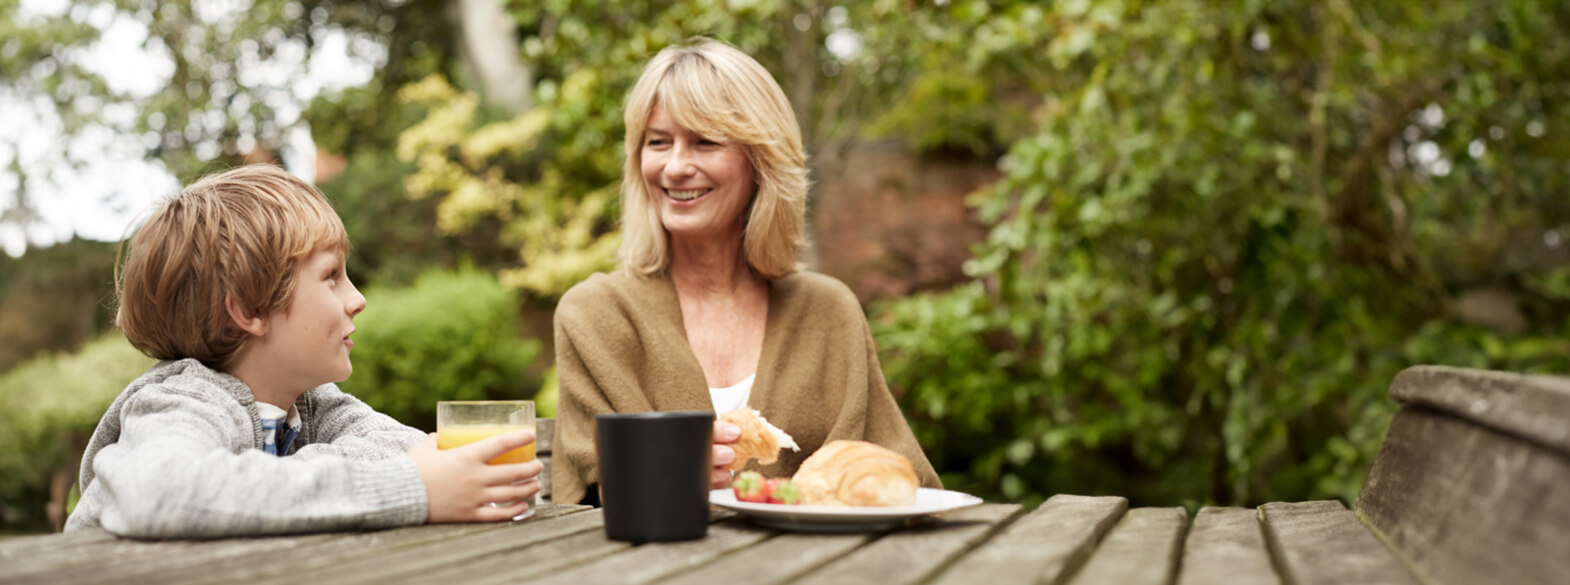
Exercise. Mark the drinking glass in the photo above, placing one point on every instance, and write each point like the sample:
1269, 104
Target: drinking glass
460, 422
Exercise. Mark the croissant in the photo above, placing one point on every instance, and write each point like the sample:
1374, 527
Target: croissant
759, 439
856, 473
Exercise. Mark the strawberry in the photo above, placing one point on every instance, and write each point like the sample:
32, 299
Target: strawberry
749, 487
784, 492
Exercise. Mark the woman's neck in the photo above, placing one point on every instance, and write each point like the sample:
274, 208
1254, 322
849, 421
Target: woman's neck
710, 268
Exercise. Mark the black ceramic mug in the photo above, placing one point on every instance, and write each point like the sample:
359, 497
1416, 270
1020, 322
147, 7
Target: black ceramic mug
654, 474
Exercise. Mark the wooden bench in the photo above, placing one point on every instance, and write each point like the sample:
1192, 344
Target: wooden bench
1472, 481
544, 430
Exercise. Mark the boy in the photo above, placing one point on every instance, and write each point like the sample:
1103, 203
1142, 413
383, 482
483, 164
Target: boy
238, 285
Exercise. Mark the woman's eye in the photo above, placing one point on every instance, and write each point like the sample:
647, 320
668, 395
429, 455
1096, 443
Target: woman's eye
657, 142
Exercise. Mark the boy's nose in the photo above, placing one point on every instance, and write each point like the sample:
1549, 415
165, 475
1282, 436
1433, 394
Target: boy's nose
356, 301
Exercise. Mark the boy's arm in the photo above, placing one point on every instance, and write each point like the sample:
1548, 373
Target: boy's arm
342, 425
185, 467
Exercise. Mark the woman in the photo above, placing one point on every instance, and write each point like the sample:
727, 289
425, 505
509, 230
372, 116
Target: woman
708, 310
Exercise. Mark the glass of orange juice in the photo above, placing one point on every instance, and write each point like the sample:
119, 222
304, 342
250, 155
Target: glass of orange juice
460, 422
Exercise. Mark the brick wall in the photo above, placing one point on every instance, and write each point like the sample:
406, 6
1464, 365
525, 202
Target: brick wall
891, 222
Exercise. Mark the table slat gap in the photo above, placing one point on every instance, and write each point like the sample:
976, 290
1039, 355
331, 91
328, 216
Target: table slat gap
1141, 549
1226, 545
1323, 543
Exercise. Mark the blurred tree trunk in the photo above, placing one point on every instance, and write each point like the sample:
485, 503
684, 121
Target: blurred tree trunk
488, 51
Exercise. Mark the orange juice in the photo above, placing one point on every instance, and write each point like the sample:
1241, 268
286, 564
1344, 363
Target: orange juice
460, 435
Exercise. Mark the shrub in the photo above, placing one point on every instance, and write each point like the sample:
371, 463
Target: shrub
451, 336
49, 406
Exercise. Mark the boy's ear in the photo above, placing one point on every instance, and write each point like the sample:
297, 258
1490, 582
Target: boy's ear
250, 324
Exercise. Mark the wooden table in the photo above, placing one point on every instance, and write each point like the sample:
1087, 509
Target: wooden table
1067, 540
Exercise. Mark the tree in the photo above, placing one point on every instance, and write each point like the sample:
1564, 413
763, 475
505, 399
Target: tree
1232, 224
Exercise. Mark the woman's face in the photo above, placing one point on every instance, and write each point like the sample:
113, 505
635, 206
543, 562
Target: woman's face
701, 187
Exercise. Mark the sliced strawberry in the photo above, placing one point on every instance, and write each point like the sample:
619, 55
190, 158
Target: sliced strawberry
784, 492
749, 487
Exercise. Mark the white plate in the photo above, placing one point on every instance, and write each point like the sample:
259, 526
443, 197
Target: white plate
843, 518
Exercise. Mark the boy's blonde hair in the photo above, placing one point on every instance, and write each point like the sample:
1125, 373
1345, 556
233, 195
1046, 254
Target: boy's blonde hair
240, 233
720, 93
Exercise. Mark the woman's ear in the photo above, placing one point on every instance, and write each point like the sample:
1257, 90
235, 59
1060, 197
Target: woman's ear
253, 325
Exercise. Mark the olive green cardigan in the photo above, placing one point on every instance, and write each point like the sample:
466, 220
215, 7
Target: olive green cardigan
621, 347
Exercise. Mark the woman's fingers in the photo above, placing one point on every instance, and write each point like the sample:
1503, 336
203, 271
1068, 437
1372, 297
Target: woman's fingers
724, 456
725, 433
720, 479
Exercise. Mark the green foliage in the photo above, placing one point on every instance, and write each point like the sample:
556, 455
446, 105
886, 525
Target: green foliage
55, 298
48, 408
1233, 225
451, 336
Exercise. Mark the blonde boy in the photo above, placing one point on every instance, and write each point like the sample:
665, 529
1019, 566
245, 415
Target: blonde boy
237, 284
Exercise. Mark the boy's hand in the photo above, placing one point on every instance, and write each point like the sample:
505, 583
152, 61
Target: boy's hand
460, 486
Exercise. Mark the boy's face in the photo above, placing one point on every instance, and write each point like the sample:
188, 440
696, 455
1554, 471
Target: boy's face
307, 344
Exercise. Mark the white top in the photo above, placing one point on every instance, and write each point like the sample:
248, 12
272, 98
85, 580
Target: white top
733, 397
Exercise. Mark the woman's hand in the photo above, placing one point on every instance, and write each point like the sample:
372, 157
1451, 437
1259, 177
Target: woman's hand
460, 486
724, 434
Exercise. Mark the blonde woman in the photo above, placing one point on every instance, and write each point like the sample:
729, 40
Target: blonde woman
709, 309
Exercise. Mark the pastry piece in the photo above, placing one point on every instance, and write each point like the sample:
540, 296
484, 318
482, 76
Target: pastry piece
856, 473
759, 439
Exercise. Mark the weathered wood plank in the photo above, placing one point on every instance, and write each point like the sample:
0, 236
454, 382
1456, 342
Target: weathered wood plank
221, 561
1468, 504
650, 562
1225, 545
1322, 543
913, 554
1534, 408
128, 558
1042, 546
544, 435
384, 563
24, 547
544, 439
524, 565
776, 560
1141, 549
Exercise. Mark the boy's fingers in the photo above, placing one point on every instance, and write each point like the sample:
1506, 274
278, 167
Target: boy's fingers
512, 493
493, 447
488, 513
510, 473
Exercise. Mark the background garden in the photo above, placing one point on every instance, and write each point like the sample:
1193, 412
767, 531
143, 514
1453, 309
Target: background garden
1207, 234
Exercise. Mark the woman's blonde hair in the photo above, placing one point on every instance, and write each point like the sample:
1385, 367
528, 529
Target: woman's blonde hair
239, 233
718, 92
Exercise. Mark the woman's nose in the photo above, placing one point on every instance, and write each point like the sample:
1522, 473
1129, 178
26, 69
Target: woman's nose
680, 163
